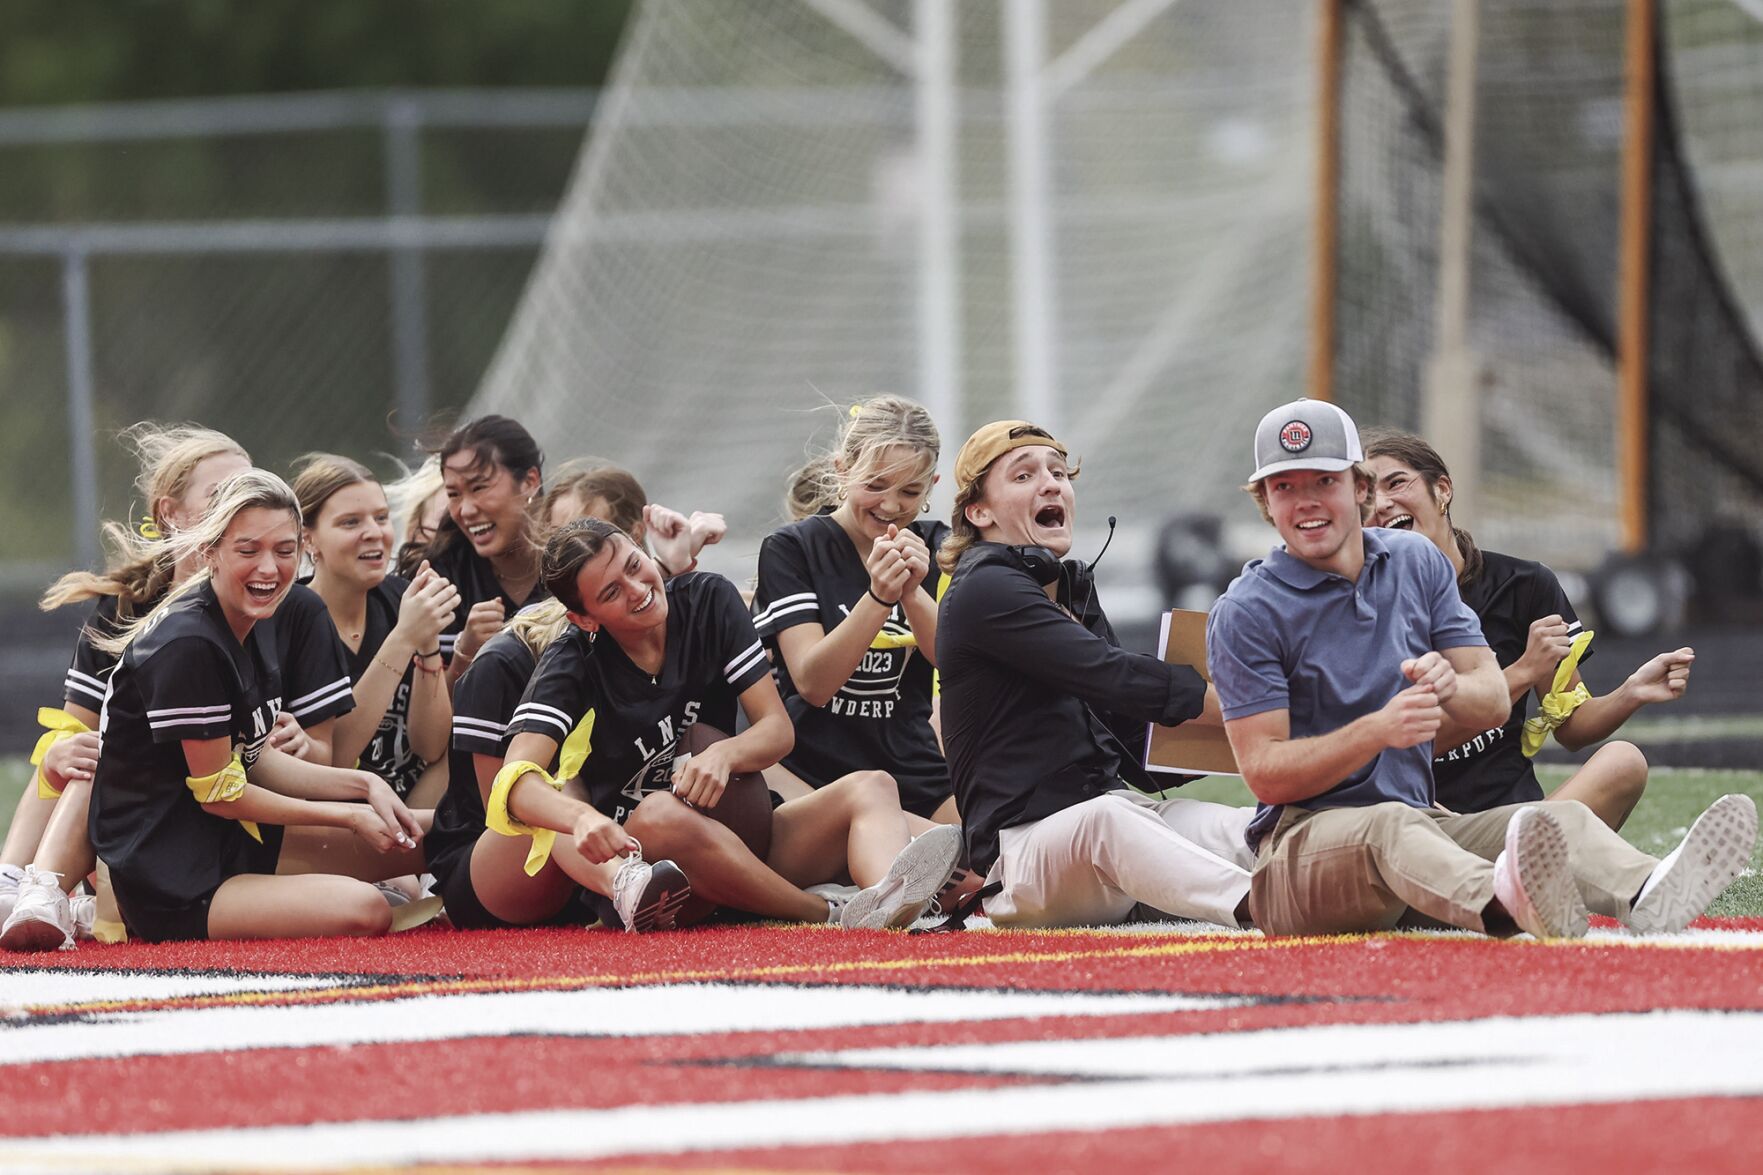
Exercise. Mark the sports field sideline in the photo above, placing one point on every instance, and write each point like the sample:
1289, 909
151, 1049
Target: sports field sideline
802, 1049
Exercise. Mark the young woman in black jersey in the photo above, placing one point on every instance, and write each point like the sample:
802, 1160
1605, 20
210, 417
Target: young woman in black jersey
482, 876
1531, 626
486, 545
190, 796
178, 470
846, 604
390, 626
642, 665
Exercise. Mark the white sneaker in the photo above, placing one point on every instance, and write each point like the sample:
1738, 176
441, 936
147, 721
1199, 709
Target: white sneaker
9, 879
1715, 851
914, 878
1533, 881
84, 910
649, 897
41, 919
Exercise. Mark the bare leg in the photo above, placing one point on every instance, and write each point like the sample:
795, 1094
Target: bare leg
853, 823
309, 849
786, 783
65, 848
1610, 783
722, 869
431, 785
29, 820
257, 905
945, 813
498, 877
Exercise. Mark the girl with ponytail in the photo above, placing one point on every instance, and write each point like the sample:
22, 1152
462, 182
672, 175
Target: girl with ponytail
190, 795
1531, 626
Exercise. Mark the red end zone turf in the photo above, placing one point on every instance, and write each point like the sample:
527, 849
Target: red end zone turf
804, 1049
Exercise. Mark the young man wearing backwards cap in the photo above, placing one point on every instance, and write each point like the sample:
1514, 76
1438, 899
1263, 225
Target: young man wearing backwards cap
1334, 659
1034, 689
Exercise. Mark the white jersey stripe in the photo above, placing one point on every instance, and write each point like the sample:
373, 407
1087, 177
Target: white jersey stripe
791, 602
181, 711
537, 713
770, 617
338, 692
464, 725
740, 665
322, 693
74, 685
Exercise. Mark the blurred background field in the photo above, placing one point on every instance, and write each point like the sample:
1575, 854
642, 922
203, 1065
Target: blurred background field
668, 232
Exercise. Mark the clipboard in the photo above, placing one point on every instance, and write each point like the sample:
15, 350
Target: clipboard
1188, 749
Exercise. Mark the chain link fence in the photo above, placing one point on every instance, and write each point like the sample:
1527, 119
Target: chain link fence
309, 271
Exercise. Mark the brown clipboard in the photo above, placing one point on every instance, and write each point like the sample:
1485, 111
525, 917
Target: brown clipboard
1188, 749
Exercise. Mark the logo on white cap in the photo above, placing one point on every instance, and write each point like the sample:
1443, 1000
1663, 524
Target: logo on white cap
1295, 436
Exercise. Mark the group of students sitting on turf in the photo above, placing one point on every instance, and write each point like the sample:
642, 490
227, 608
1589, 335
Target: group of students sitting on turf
299, 709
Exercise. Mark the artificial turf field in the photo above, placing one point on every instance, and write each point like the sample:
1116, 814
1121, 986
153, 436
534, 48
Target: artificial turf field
803, 1049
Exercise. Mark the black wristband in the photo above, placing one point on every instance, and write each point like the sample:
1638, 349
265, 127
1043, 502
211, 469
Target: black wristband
878, 599
435, 652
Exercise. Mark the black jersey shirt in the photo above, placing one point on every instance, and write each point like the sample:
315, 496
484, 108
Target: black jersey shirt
186, 677
484, 699
476, 580
712, 656
879, 720
1030, 697
388, 754
309, 657
1490, 769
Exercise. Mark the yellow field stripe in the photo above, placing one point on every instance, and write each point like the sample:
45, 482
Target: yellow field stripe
1165, 948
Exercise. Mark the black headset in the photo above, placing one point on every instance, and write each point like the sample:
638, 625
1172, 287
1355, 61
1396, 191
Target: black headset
1045, 568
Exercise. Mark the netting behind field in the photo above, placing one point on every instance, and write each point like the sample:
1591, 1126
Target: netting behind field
1549, 140
740, 245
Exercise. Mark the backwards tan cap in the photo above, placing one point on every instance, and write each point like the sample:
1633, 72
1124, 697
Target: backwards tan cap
991, 442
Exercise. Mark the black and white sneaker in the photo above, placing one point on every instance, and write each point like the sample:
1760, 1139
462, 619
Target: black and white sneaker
922, 868
1715, 851
648, 897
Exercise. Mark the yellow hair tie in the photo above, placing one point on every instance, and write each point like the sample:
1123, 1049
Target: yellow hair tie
224, 787
497, 817
58, 726
149, 529
856, 411
1560, 702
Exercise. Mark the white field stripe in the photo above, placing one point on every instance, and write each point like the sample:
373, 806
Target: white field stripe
633, 1011
790, 602
754, 654
343, 690
28, 988
322, 693
1303, 1072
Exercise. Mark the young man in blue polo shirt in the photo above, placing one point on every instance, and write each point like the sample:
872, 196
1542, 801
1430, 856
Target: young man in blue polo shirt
1335, 659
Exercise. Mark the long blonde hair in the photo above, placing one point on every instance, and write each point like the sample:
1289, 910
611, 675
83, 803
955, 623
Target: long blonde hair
139, 568
536, 627
869, 427
252, 489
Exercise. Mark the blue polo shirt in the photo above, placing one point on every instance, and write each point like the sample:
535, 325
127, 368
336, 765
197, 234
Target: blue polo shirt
1286, 636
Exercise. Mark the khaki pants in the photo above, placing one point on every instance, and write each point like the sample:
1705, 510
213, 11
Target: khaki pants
1342, 870
1091, 863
